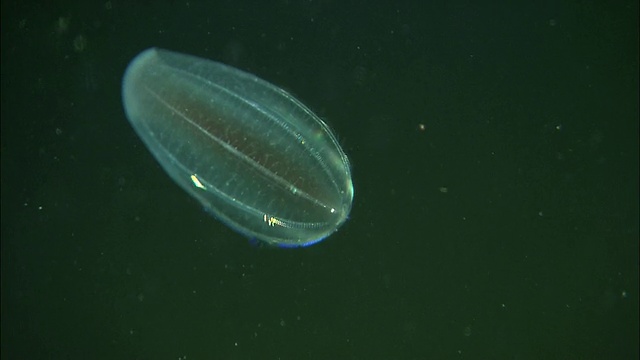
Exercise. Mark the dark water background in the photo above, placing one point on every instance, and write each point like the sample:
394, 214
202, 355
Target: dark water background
495, 161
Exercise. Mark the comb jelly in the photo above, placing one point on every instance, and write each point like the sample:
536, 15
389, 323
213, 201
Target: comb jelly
254, 156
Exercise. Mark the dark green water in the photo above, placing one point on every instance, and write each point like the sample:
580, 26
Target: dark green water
495, 162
